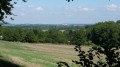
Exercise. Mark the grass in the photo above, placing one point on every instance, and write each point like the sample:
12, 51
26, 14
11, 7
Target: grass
37, 55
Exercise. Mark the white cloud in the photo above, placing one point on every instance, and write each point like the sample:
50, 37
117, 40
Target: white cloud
79, 9
112, 7
39, 8
84, 9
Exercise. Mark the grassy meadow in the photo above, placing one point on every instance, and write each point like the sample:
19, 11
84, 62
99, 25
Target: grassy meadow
37, 55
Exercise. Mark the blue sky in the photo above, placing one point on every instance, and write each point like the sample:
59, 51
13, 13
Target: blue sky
62, 12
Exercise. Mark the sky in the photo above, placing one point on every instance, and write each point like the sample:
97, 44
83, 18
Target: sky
62, 12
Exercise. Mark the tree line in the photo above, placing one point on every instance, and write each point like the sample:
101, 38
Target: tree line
46, 26
84, 35
33, 36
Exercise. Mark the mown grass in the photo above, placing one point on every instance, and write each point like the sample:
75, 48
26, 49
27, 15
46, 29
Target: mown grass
40, 55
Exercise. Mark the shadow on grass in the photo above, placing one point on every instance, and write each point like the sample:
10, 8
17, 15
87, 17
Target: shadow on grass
4, 63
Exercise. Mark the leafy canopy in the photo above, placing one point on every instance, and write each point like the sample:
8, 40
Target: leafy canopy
106, 34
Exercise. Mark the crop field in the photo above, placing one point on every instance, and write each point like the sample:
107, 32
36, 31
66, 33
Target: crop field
37, 55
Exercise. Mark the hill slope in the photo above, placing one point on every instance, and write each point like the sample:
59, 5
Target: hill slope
36, 55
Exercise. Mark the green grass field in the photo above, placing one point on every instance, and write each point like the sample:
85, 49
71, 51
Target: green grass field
37, 55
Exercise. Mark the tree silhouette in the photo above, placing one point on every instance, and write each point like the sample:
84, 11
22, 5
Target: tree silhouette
6, 7
69, 0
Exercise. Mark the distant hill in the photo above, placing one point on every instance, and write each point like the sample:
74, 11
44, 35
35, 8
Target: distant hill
46, 26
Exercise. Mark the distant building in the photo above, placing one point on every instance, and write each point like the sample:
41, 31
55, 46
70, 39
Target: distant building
44, 30
62, 30
1, 37
65, 24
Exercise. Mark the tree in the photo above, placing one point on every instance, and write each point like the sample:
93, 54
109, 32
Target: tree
55, 36
69, 0
118, 22
78, 37
69, 35
52, 36
7, 34
6, 8
41, 36
30, 37
18, 35
106, 36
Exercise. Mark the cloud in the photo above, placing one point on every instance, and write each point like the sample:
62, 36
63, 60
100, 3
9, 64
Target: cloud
36, 8
112, 7
73, 11
39, 8
84, 9
79, 9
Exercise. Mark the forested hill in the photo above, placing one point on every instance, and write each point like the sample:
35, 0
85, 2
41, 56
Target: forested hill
47, 26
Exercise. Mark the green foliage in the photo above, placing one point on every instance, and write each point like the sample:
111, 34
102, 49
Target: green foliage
7, 34
102, 34
55, 36
78, 37
106, 35
47, 26
118, 22
89, 43
30, 37
18, 35
41, 36
33, 36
